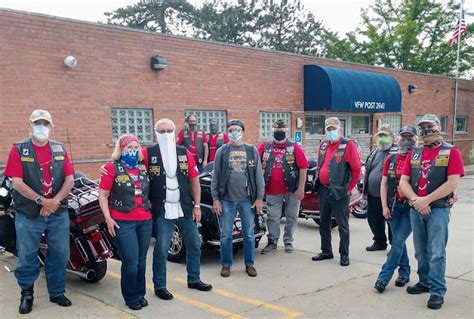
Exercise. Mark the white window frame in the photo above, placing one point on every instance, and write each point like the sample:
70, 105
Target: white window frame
444, 130
395, 122
266, 123
204, 117
465, 122
136, 121
350, 125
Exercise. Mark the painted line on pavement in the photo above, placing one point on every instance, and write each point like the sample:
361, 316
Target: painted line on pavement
287, 312
193, 302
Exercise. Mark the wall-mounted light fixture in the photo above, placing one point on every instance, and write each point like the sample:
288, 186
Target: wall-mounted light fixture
70, 61
158, 63
412, 88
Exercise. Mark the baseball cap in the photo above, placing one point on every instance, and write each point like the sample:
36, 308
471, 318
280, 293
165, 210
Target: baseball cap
384, 129
429, 118
236, 122
332, 121
41, 115
279, 124
408, 129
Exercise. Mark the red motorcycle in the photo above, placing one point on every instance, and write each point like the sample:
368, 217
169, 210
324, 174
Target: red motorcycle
90, 243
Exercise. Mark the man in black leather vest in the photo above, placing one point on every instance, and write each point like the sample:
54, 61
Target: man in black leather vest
42, 177
430, 176
337, 174
195, 141
175, 195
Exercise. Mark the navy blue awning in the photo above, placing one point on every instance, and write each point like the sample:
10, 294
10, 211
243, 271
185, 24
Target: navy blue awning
338, 89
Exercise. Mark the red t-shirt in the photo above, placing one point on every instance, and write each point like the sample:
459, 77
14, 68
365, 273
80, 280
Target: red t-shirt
276, 184
455, 165
193, 149
398, 172
107, 182
192, 168
213, 143
351, 156
14, 167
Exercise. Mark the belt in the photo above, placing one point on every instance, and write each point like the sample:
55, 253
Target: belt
404, 201
326, 186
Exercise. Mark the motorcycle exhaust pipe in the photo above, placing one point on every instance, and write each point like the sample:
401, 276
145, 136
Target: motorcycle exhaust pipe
89, 275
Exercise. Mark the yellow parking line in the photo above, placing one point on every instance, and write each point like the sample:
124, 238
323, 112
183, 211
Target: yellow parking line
195, 303
287, 312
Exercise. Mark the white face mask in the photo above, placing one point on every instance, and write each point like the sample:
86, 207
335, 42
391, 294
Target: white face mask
40, 132
167, 144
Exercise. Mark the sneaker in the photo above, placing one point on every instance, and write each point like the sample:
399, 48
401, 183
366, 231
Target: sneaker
289, 248
251, 271
225, 271
269, 248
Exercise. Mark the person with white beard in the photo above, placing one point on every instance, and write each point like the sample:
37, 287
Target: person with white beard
175, 195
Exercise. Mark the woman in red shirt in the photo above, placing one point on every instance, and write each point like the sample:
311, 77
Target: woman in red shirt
123, 198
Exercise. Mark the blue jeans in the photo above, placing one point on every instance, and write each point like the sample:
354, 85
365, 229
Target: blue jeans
192, 242
397, 256
28, 238
133, 240
430, 236
227, 225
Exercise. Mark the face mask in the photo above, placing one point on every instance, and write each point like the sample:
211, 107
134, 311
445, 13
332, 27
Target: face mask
214, 129
384, 140
130, 158
405, 145
41, 132
279, 136
332, 135
192, 127
431, 137
235, 137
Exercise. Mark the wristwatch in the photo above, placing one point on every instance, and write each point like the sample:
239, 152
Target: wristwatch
39, 200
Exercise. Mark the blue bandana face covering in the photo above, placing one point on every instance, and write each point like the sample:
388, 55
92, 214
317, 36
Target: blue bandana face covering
130, 158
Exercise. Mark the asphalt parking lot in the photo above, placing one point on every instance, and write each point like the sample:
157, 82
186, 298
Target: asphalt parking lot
287, 285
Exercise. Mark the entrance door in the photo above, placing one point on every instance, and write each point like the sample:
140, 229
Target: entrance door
343, 127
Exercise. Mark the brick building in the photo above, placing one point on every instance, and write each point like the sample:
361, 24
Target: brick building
113, 89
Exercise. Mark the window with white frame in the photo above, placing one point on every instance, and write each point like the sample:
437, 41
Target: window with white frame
461, 124
205, 116
268, 118
314, 124
360, 124
444, 123
138, 122
394, 122
418, 119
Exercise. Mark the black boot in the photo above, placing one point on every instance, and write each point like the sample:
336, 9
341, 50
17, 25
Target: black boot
26, 302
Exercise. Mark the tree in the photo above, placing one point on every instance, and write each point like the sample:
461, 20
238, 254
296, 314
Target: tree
409, 35
165, 16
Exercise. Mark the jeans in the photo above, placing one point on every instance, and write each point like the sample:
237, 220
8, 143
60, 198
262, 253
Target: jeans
227, 225
28, 237
340, 210
192, 242
377, 221
397, 256
430, 236
292, 207
133, 240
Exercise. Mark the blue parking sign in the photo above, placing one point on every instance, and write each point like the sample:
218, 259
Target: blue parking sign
298, 138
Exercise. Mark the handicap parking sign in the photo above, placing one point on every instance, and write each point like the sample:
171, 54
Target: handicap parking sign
298, 138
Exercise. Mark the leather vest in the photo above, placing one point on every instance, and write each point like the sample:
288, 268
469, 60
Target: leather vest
187, 141
290, 170
437, 173
392, 180
369, 162
158, 181
33, 176
123, 193
340, 173
219, 141
249, 173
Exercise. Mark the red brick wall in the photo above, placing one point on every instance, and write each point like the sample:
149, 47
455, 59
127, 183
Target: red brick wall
114, 71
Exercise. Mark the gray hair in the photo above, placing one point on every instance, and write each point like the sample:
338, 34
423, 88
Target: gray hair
163, 121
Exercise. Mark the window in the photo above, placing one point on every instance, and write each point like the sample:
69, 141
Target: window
418, 119
393, 121
267, 119
138, 122
461, 124
444, 123
314, 125
360, 124
204, 117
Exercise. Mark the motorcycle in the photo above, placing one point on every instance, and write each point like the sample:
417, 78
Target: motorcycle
90, 244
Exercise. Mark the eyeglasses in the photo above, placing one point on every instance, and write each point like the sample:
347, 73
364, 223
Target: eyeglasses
165, 131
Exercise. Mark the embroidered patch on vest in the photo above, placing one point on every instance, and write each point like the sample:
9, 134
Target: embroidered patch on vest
154, 159
57, 148
155, 170
182, 158
27, 159
59, 158
442, 160
183, 166
25, 152
122, 178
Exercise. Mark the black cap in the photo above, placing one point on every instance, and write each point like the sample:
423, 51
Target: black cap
236, 122
408, 129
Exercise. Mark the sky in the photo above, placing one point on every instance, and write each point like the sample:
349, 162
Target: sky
339, 15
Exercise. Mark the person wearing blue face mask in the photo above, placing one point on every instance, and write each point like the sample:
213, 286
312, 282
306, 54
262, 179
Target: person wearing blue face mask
337, 174
124, 200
